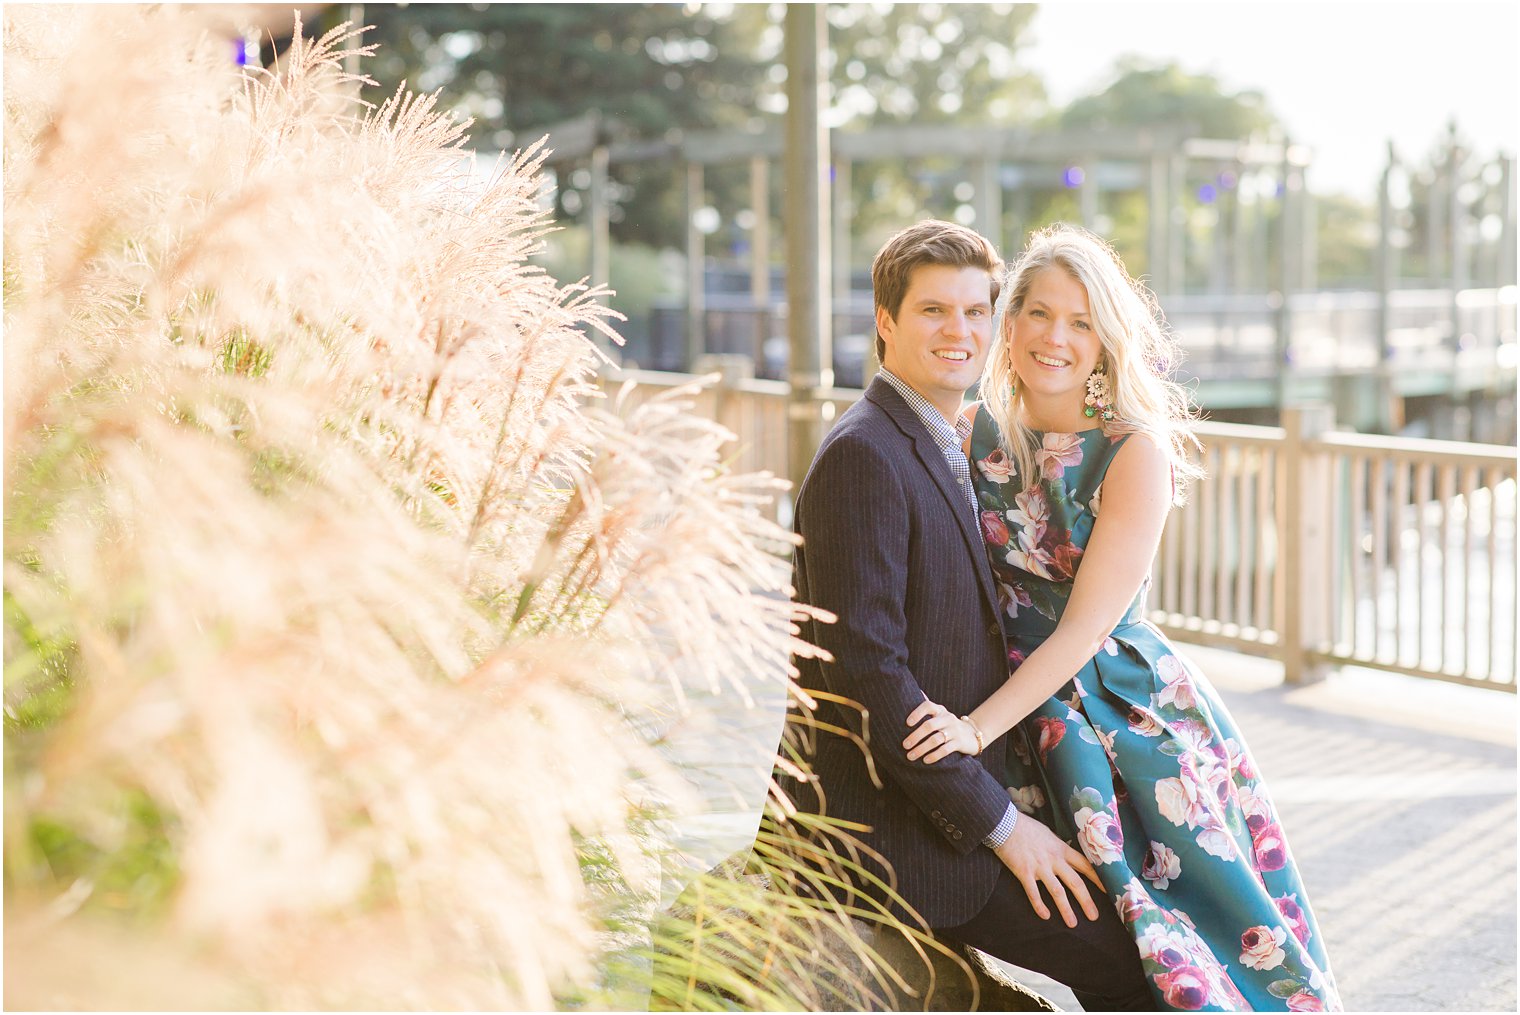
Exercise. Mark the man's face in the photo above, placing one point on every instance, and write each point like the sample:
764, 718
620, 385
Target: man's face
939, 339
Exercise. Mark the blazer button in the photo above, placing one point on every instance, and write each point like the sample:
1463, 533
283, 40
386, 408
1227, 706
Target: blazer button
957, 835
949, 828
996, 630
935, 815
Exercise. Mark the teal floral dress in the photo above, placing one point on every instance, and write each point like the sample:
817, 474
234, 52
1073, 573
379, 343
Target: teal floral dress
1137, 762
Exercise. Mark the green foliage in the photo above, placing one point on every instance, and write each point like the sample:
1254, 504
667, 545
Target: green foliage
1145, 93
1346, 241
921, 63
518, 69
242, 354
130, 862
38, 671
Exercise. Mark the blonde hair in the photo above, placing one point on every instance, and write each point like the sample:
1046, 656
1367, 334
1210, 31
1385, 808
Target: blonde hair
1138, 351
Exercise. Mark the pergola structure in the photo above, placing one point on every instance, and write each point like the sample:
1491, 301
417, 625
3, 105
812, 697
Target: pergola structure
1002, 165
1000, 161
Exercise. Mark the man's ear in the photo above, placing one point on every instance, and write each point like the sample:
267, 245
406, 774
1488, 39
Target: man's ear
885, 326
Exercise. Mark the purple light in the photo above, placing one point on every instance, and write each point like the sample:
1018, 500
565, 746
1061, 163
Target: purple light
240, 52
1073, 176
1227, 180
1207, 193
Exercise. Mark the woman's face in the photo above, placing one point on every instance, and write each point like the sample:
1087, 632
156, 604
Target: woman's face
1054, 344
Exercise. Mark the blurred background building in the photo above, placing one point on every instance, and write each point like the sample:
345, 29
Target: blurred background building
1388, 290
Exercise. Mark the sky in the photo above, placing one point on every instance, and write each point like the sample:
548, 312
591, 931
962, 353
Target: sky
1345, 77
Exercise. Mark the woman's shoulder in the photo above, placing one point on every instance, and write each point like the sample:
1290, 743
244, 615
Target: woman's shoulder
1139, 459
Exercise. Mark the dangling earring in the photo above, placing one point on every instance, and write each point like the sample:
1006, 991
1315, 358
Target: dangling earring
1100, 396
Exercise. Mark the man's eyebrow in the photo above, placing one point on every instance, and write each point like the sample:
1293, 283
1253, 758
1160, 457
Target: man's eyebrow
924, 301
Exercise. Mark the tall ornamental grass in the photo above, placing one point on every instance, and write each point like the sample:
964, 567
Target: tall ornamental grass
336, 599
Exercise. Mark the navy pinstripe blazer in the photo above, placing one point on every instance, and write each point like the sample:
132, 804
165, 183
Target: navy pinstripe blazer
893, 550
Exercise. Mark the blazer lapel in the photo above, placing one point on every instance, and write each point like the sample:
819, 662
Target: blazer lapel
933, 459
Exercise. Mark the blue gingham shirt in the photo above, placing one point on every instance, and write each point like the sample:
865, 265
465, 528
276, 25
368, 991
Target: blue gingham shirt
950, 440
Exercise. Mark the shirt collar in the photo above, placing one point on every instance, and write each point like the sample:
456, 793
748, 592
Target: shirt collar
945, 435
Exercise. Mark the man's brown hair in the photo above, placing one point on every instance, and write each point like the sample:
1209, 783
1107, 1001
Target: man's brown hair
932, 241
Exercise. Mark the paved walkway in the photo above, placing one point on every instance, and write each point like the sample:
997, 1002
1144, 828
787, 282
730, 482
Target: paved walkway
1398, 796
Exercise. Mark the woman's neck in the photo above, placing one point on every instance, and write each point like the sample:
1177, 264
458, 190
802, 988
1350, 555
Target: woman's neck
1063, 416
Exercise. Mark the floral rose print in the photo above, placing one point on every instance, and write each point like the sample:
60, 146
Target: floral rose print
1106, 741
1063, 556
1161, 866
1178, 691
1099, 836
1254, 808
996, 467
1027, 799
1012, 598
1305, 1001
1261, 947
1217, 778
1240, 761
1196, 735
1015, 659
1133, 902
1183, 800
1288, 906
1031, 513
1144, 722
1052, 731
1271, 849
1057, 453
993, 529
1217, 842
1185, 989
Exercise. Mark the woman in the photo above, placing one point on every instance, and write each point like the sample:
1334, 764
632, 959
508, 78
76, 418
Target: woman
1119, 743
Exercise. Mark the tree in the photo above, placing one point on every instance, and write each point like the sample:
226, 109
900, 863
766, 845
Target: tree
913, 63
520, 68
1144, 93
653, 68
1150, 94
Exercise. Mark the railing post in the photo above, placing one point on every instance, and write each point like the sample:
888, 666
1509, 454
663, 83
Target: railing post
1306, 542
732, 370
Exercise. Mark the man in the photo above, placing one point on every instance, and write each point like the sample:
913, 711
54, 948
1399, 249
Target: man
891, 547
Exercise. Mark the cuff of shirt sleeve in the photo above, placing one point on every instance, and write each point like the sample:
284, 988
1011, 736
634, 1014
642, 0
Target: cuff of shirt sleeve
1004, 829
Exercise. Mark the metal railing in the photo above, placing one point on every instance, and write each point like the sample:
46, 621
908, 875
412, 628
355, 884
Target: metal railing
1308, 545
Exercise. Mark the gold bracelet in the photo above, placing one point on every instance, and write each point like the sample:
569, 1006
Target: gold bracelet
981, 743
